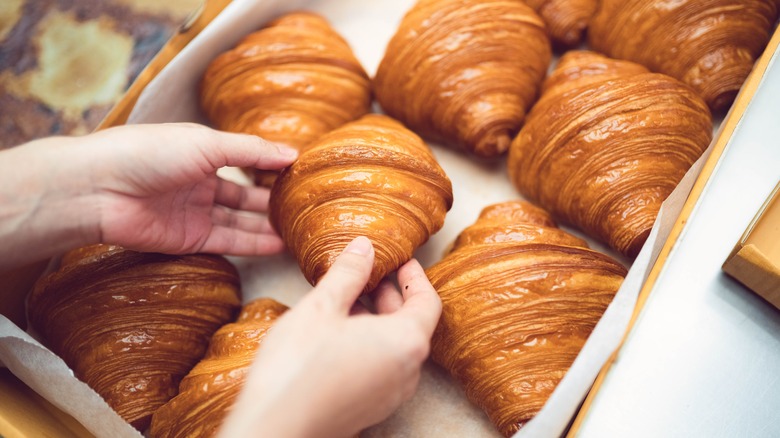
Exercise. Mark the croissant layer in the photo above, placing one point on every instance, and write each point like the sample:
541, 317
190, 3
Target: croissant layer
708, 44
208, 392
606, 144
130, 324
371, 177
289, 82
518, 305
464, 71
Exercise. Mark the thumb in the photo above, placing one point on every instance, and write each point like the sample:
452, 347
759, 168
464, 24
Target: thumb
345, 280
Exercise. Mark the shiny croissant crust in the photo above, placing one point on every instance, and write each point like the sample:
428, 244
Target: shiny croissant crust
289, 82
371, 177
130, 324
208, 392
465, 71
606, 144
708, 44
520, 298
566, 19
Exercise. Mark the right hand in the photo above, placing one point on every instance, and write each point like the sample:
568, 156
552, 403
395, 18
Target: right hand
328, 369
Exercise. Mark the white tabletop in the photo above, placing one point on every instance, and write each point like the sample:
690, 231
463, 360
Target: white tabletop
703, 359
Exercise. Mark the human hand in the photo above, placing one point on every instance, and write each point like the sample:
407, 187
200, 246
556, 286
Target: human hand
329, 368
144, 187
158, 190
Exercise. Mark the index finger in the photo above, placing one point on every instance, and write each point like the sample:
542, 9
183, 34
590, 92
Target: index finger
343, 283
244, 150
421, 301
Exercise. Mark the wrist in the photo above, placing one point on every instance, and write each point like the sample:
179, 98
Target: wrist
47, 201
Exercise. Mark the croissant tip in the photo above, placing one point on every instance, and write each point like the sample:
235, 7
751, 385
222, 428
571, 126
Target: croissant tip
494, 145
722, 101
637, 244
141, 424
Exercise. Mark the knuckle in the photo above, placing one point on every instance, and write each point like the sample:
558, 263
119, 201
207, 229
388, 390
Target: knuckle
416, 345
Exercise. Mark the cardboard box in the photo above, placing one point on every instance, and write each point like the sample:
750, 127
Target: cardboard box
755, 260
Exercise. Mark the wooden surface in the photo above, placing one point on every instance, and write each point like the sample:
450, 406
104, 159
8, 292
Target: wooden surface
755, 260
65, 63
118, 115
23, 413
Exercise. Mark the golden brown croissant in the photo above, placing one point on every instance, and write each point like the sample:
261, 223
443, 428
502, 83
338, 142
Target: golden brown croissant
130, 324
566, 19
708, 44
207, 393
371, 177
606, 144
290, 82
520, 298
465, 71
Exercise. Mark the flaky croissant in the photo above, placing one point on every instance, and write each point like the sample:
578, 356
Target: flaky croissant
208, 392
130, 324
465, 71
566, 19
520, 298
371, 177
606, 144
289, 82
708, 44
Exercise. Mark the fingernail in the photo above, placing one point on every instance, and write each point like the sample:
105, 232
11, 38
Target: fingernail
287, 152
360, 246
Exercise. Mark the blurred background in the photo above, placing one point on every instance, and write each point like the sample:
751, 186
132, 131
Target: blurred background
64, 63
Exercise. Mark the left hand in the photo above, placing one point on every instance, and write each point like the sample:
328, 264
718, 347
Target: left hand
159, 190
145, 187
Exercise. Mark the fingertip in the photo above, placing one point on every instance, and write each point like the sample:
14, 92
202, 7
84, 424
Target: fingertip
277, 155
286, 151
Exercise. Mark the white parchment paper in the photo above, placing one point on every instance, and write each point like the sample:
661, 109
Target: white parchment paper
439, 409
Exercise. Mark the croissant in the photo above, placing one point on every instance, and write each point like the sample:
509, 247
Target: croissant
708, 44
465, 71
520, 298
130, 324
371, 177
566, 19
290, 82
210, 389
605, 145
